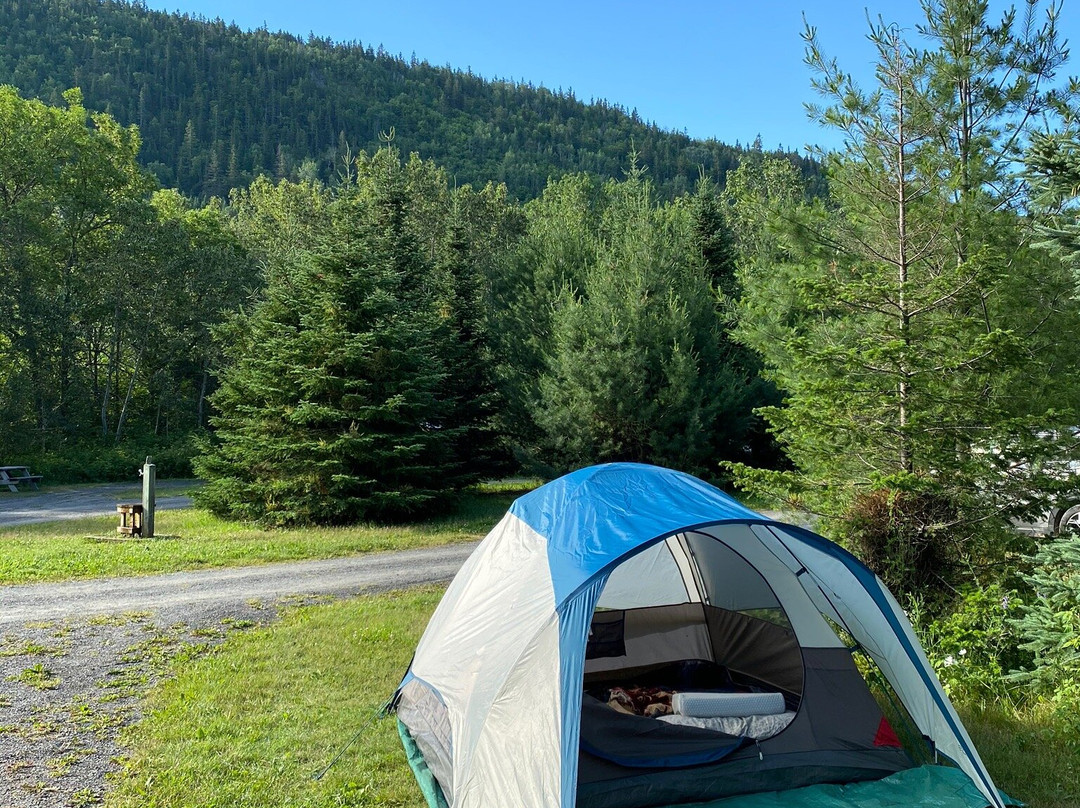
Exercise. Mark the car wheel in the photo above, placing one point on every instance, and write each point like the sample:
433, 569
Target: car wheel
1070, 520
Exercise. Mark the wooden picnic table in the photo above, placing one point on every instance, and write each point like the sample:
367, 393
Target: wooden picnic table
14, 476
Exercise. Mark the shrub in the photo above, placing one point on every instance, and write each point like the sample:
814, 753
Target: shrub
973, 646
95, 462
897, 534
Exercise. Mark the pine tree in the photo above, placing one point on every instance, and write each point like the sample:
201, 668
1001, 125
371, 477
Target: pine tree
908, 321
1054, 164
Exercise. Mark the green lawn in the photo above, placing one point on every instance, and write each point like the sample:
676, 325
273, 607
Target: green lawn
193, 539
250, 724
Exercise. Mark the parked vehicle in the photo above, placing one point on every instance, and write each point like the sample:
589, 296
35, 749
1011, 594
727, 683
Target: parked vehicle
1047, 478
1064, 519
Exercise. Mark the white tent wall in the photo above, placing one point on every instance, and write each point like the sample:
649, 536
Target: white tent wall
650, 578
884, 635
499, 678
518, 750
772, 544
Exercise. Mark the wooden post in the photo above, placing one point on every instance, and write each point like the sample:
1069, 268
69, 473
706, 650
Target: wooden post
149, 481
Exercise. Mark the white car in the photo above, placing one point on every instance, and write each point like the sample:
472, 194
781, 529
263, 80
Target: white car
1059, 520
1062, 517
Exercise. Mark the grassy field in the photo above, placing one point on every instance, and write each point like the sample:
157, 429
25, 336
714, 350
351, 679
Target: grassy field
249, 725
193, 539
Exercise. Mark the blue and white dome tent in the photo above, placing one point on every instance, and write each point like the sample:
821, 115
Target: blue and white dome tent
630, 579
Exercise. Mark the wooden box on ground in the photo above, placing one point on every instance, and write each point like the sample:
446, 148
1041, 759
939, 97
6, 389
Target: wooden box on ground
131, 519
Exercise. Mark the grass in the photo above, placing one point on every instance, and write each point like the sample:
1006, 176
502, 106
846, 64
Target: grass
193, 539
12, 647
250, 723
38, 677
1032, 753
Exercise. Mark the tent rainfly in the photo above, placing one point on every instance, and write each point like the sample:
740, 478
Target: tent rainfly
630, 636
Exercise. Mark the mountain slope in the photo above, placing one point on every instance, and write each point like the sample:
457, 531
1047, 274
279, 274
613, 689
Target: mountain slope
217, 105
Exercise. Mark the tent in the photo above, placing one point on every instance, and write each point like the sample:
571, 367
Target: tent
631, 580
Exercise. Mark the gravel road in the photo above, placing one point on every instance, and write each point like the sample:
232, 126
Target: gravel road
27, 507
76, 658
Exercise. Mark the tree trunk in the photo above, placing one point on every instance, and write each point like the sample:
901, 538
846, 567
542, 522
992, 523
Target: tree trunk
127, 398
200, 418
112, 373
903, 392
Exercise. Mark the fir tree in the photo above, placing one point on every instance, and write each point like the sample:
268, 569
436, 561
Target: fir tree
473, 398
637, 368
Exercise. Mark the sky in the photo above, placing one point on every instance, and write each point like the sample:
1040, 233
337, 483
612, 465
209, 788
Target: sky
722, 69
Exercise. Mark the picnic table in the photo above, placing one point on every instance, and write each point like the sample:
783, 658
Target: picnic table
14, 476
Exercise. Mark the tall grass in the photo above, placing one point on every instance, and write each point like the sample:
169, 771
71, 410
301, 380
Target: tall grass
1032, 752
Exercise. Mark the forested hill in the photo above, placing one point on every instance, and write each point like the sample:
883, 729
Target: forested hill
217, 106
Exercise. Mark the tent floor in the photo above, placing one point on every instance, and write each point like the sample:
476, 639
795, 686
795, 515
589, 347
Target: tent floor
921, 787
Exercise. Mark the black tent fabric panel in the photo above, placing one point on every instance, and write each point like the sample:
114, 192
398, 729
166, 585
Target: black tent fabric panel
757, 648
838, 709
729, 778
607, 635
651, 636
838, 713
637, 742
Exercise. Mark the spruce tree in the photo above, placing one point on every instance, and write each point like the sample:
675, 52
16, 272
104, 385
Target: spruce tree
472, 395
1050, 619
331, 407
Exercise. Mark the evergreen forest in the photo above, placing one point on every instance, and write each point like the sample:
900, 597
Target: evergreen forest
218, 106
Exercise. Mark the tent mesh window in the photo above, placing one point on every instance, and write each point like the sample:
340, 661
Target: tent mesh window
692, 613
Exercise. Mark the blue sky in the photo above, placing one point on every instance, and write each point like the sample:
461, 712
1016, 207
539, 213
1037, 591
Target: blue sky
723, 69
